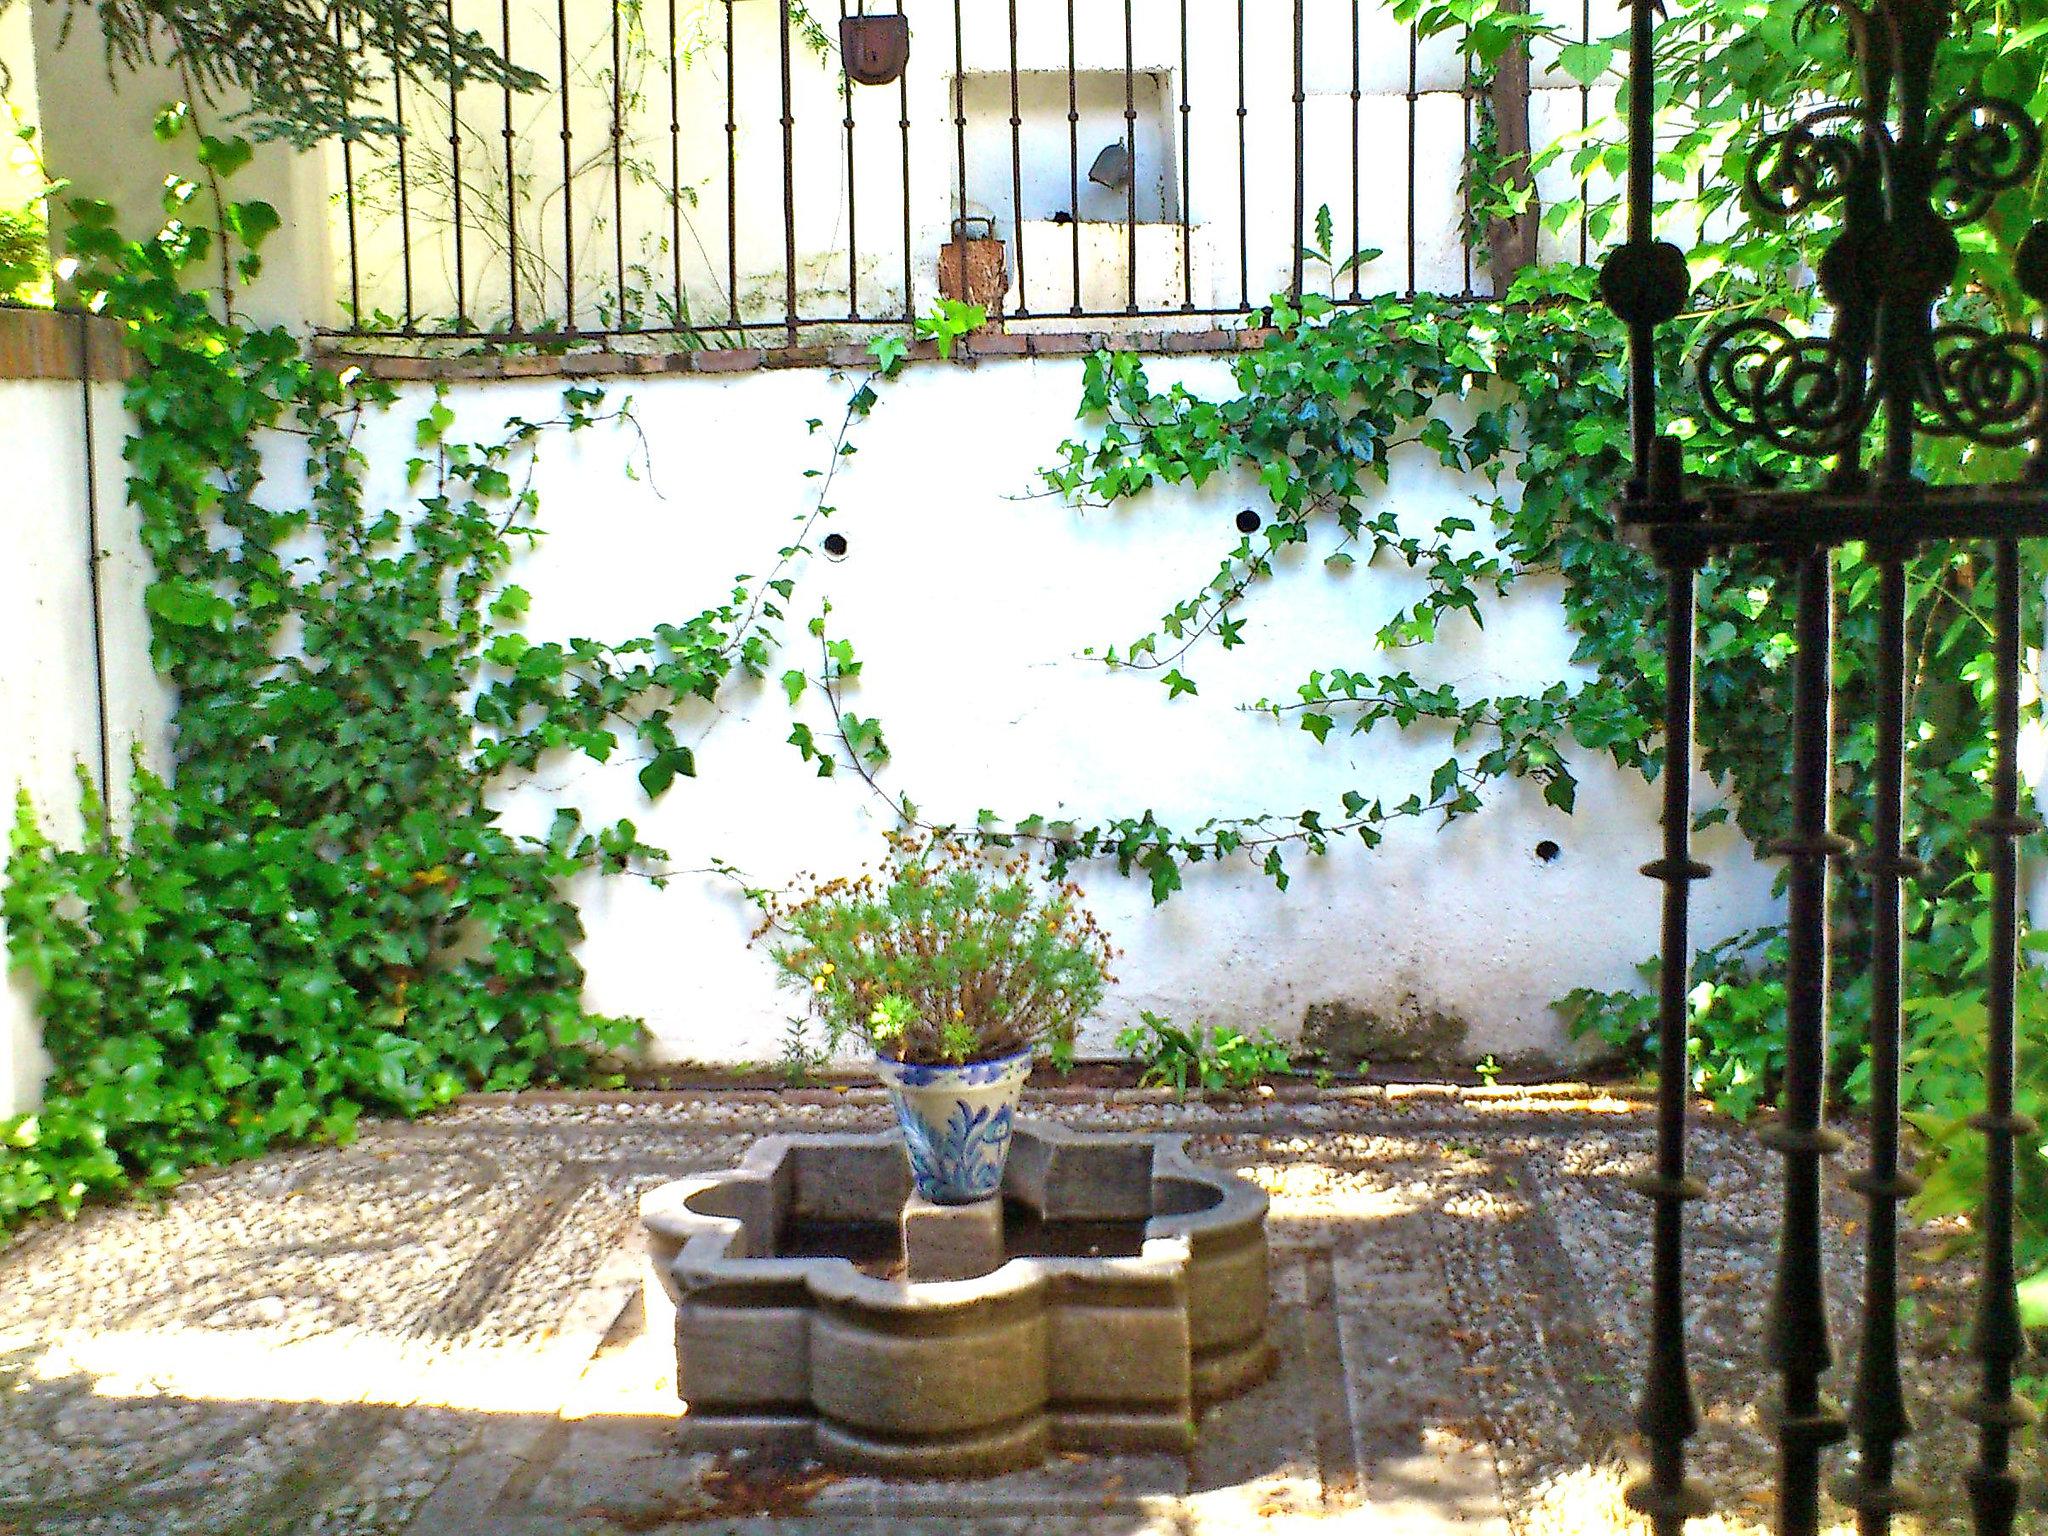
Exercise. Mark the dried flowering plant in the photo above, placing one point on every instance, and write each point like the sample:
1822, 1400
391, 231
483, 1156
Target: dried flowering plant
940, 954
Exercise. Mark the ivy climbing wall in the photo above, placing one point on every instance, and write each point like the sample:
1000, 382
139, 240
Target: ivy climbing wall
78, 692
971, 598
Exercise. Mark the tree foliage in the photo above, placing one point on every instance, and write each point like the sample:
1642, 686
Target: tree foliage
298, 70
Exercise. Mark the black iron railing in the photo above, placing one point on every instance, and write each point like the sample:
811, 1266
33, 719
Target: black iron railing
707, 170
1902, 173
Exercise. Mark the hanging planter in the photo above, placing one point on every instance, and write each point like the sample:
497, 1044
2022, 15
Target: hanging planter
874, 49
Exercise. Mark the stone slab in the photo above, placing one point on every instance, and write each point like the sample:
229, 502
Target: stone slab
951, 1242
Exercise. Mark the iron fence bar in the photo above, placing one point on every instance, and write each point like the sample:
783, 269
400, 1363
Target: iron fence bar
1414, 102
90, 451
1797, 1331
1585, 122
852, 184
568, 175
732, 172
511, 182
348, 181
1665, 1411
788, 178
455, 170
618, 84
903, 127
1017, 168
1466, 221
1300, 148
1879, 1413
1357, 97
960, 124
675, 168
1074, 155
1244, 218
1131, 145
1187, 181
404, 195
1998, 1339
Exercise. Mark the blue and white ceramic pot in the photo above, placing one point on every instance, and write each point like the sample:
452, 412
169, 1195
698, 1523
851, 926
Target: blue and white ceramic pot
956, 1123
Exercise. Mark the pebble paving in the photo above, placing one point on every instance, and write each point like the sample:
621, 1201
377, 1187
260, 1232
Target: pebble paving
436, 1332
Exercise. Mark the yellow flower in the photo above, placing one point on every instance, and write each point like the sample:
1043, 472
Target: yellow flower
818, 985
827, 968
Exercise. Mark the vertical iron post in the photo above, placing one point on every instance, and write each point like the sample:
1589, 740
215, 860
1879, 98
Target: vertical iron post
675, 171
1300, 146
1797, 1330
1414, 96
400, 138
1998, 1340
455, 174
732, 177
903, 127
1357, 99
1131, 145
1017, 167
568, 172
1665, 1411
1879, 1413
348, 190
1074, 155
960, 117
1187, 180
1244, 222
511, 182
618, 83
852, 184
788, 181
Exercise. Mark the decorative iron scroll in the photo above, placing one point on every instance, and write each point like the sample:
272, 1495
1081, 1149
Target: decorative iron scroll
1902, 182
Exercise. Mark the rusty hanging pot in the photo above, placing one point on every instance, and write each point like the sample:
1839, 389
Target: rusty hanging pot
874, 49
974, 266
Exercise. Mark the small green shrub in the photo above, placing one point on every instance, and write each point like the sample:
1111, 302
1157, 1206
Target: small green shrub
24, 253
1216, 1060
942, 955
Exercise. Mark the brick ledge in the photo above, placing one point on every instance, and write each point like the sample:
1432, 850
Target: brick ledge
340, 352
62, 344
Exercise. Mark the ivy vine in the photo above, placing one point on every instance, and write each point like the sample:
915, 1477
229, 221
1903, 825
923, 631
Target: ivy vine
321, 912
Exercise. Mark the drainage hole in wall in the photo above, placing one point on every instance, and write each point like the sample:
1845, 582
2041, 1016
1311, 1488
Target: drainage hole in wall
1247, 521
1548, 852
835, 545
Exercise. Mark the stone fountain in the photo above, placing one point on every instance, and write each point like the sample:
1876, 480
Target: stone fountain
820, 1308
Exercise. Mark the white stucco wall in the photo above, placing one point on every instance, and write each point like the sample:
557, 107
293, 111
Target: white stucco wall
970, 602
49, 690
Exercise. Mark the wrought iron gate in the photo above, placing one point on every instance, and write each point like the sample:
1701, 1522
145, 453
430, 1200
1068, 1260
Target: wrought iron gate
1905, 172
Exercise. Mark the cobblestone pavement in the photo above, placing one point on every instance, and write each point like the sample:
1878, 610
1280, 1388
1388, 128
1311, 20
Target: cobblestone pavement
435, 1331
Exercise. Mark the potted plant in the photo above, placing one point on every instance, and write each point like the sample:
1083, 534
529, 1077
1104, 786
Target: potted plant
955, 968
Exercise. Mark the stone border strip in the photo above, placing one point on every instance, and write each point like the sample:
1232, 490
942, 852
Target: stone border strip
62, 344
338, 352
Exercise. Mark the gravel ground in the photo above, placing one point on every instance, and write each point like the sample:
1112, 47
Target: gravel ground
432, 1332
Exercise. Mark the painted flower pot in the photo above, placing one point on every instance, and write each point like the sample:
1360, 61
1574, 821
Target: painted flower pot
956, 1123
